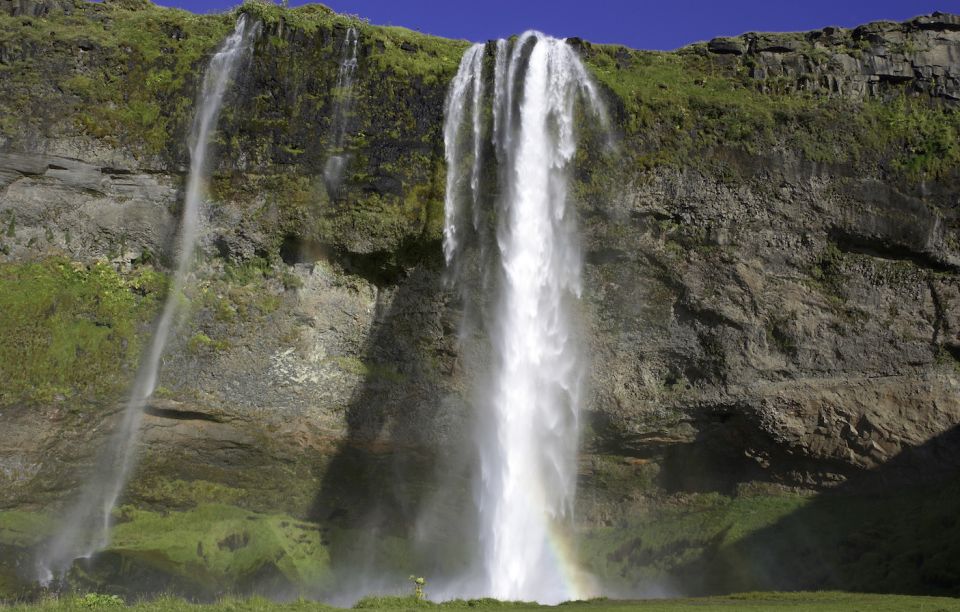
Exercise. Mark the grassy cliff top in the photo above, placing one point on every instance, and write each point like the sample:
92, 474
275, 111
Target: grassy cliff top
126, 72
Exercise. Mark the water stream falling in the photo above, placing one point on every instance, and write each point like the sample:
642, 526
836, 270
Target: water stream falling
85, 530
343, 102
528, 418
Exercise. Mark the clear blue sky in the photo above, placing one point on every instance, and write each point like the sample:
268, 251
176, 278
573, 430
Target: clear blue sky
642, 24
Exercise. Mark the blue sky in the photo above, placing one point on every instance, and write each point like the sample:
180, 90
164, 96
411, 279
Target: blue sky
643, 24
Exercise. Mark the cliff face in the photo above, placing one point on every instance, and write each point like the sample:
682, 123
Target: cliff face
771, 304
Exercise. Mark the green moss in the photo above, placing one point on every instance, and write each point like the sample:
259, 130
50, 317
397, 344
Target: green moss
217, 546
131, 85
408, 54
654, 545
290, 281
70, 329
308, 18
22, 529
368, 370
183, 494
201, 343
895, 541
398, 51
681, 105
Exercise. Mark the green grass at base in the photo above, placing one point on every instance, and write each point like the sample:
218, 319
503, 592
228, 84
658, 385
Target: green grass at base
797, 602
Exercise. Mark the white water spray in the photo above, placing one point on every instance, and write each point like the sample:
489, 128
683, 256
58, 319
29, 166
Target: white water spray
528, 422
87, 526
333, 169
464, 96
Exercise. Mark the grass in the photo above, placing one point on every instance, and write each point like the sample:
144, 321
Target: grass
907, 541
71, 329
22, 528
399, 51
213, 547
795, 602
653, 546
684, 103
134, 84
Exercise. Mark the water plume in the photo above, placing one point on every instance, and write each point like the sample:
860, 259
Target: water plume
86, 528
528, 415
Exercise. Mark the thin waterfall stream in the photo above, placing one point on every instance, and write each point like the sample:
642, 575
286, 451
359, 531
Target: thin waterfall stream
528, 420
343, 103
86, 527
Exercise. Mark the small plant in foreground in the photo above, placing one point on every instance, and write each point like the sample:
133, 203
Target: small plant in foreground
418, 583
99, 600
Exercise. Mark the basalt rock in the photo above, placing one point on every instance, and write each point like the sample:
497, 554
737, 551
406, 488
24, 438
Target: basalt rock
866, 61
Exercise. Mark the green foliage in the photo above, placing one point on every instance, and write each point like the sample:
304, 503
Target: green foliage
307, 18
929, 138
99, 601
201, 343
217, 546
668, 537
391, 602
291, 281
368, 370
412, 55
681, 105
418, 583
902, 541
184, 494
70, 329
135, 84
22, 528
398, 51
826, 601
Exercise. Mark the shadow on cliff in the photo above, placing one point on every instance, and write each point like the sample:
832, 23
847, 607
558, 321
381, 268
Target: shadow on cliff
893, 529
398, 469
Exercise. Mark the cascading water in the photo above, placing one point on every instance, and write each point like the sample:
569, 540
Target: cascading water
528, 421
86, 528
343, 96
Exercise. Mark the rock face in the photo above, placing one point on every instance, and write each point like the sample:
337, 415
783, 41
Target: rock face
864, 61
772, 302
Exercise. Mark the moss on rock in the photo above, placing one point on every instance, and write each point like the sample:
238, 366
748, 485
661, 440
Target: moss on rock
218, 548
71, 329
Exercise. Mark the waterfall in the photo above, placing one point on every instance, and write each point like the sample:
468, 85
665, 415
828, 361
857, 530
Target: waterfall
464, 95
528, 418
343, 102
85, 531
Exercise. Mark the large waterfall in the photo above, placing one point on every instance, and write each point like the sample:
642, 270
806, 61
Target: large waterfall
85, 530
528, 416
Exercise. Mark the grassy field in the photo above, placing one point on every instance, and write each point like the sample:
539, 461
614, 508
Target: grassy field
797, 602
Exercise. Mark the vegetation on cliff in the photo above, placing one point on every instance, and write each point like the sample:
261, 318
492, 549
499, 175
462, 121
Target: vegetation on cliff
676, 108
71, 329
133, 80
